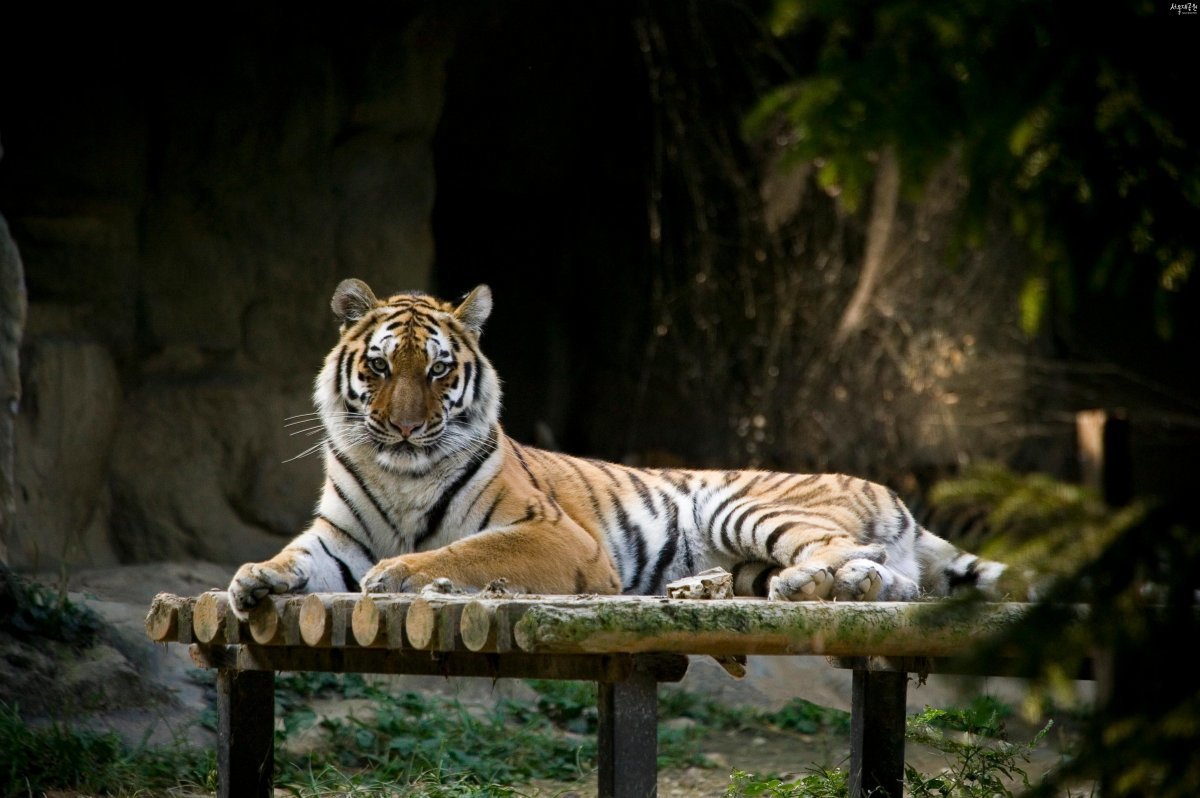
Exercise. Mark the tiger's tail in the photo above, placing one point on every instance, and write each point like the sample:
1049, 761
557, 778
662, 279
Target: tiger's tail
948, 570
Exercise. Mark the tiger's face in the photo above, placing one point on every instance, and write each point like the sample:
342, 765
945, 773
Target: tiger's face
407, 378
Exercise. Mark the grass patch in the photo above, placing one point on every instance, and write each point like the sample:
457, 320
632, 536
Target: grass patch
416, 740
33, 760
817, 783
422, 744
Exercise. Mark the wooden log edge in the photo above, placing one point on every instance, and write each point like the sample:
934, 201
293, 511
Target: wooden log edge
208, 616
323, 618
316, 622
271, 618
432, 624
162, 620
478, 627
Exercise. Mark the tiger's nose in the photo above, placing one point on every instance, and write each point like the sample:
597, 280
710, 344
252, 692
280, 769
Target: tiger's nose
406, 427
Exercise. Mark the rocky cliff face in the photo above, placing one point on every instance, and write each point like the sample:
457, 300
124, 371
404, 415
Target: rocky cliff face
12, 325
184, 209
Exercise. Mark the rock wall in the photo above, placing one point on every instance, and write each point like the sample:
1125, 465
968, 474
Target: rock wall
184, 209
12, 325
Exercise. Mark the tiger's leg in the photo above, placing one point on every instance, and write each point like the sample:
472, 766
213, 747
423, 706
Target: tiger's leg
750, 578
813, 572
323, 558
539, 556
799, 552
856, 580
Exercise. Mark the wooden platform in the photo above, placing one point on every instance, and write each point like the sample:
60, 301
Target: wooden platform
627, 644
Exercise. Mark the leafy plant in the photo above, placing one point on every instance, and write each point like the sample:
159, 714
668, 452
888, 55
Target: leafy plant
808, 718
31, 609
569, 705
797, 715
980, 763
984, 715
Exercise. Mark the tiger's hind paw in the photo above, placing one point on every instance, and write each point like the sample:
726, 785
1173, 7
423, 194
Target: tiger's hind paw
858, 580
801, 583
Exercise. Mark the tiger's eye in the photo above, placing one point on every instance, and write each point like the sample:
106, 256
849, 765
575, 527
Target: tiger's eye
438, 369
378, 365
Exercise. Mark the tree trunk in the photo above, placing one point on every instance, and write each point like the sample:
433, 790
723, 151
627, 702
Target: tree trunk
879, 237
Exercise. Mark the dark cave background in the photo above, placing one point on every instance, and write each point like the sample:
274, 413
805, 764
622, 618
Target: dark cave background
667, 291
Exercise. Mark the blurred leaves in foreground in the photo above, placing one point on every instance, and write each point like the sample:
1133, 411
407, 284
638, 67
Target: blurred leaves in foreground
1137, 569
1035, 522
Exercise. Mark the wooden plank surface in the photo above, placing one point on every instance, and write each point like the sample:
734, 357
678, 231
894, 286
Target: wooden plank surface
938, 631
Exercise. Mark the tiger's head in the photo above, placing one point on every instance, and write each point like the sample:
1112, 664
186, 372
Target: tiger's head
407, 379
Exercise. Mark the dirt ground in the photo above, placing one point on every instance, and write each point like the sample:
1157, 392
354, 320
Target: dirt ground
769, 752
765, 752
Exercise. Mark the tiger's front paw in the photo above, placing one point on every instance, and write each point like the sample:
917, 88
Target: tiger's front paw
255, 580
801, 583
394, 576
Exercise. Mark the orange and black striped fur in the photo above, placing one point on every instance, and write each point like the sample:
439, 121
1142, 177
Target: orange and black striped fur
421, 482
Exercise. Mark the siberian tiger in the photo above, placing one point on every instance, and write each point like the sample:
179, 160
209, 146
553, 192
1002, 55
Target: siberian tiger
421, 483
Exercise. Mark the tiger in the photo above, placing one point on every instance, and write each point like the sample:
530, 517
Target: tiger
422, 484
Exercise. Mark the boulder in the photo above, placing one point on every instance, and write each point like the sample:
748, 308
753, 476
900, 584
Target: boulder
12, 323
198, 470
65, 429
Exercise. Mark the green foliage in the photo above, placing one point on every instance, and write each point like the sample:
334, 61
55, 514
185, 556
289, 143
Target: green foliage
817, 783
981, 763
410, 735
808, 718
985, 715
797, 715
1036, 522
32, 609
571, 707
293, 688
1077, 136
677, 703
568, 705
1137, 570
411, 739
33, 760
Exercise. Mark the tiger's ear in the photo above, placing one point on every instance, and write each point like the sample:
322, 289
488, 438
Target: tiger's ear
475, 309
352, 300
